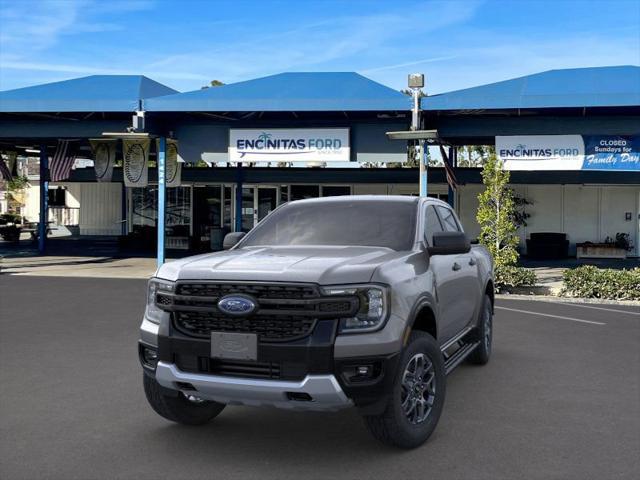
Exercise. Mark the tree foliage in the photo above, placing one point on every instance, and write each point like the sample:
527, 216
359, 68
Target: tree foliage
213, 83
474, 155
496, 212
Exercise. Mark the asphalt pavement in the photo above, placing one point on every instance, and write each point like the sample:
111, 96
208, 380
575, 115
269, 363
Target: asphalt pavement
560, 399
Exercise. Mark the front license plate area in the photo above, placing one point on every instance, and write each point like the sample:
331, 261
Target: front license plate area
234, 346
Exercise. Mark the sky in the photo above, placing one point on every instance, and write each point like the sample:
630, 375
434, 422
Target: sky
185, 44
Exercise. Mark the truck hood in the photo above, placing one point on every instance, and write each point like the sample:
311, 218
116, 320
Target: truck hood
322, 265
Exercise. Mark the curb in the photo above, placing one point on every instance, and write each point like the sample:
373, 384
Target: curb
555, 299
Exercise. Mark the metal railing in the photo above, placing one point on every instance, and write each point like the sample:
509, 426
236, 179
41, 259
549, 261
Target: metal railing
67, 216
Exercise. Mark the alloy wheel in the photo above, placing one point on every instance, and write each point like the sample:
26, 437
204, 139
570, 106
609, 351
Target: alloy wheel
418, 390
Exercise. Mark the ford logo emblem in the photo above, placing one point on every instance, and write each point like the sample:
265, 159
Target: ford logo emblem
236, 305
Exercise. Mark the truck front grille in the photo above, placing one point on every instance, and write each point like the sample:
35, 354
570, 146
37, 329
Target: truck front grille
284, 313
268, 327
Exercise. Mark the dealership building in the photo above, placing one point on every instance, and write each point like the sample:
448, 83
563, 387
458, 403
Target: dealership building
232, 154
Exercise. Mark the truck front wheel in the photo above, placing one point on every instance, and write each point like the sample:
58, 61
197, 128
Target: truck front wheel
417, 398
179, 408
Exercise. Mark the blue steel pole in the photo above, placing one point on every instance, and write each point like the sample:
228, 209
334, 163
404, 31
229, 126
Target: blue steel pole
44, 199
424, 160
238, 227
162, 149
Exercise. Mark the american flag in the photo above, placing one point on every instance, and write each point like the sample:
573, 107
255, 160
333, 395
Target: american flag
4, 170
451, 176
62, 161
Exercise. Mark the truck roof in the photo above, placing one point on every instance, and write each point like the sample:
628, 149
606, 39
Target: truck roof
361, 198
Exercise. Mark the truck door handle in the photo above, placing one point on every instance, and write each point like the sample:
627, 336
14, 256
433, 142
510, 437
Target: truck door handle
472, 261
456, 266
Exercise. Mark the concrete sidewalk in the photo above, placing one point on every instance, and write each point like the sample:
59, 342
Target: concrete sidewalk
68, 266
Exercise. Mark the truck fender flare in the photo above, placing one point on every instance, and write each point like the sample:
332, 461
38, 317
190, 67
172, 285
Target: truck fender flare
422, 302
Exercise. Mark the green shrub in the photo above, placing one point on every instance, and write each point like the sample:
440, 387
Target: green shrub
592, 282
507, 276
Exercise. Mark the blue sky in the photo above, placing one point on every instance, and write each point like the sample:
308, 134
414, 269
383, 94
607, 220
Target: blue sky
184, 44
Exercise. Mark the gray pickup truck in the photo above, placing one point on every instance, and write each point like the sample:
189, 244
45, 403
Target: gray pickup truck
365, 301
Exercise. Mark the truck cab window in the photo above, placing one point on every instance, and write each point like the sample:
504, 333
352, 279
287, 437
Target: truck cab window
431, 224
449, 221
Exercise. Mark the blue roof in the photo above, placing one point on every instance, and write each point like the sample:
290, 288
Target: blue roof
577, 87
96, 93
297, 92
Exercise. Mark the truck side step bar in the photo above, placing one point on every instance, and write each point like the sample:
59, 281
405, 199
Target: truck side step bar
456, 358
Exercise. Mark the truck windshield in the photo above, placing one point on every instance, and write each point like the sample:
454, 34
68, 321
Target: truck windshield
380, 223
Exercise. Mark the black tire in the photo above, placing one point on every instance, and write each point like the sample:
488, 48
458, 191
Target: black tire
484, 333
393, 426
179, 408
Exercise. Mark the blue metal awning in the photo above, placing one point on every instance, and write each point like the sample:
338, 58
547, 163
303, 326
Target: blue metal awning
570, 88
96, 93
288, 92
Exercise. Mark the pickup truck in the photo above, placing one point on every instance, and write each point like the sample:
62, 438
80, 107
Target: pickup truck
353, 301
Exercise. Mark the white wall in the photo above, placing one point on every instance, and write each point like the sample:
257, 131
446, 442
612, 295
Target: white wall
583, 212
100, 208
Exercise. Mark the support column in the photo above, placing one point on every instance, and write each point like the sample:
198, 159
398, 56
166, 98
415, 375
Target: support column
162, 190
238, 226
44, 199
453, 152
124, 211
424, 158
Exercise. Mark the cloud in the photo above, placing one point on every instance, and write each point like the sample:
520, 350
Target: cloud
30, 27
409, 64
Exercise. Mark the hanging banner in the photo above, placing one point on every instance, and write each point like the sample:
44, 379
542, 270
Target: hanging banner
611, 152
104, 157
173, 165
289, 145
135, 153
541, 152
569, 152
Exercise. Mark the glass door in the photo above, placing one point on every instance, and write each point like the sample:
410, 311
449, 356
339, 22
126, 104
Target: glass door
248, 208
266, 202
257, 203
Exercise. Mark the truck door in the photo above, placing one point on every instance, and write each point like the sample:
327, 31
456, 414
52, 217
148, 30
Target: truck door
463, 291
444, 279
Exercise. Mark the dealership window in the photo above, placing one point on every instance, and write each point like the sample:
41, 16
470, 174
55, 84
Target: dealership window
178, 217
57, 197
300, 192
335, 190
440, 196
144, 208
228, 207
284, 194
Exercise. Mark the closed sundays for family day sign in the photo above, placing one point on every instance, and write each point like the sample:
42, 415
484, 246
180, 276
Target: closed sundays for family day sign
569, 152
289, 145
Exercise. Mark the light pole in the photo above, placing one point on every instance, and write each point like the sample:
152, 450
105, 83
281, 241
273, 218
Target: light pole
416, 83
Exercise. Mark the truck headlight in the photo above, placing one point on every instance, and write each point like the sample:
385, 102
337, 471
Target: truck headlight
153, 312
372, 313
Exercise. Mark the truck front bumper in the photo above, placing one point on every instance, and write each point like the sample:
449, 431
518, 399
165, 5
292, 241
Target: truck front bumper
314, 392
305, 374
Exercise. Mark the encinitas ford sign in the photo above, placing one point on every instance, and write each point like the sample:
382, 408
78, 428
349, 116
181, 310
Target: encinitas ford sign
541, 152
289, 145
569, 152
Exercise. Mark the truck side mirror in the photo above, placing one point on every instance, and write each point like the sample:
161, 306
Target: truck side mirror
449, 243
231, 239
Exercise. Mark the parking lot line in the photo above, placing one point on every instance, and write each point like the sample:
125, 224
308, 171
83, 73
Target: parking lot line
530, 312
569, 304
